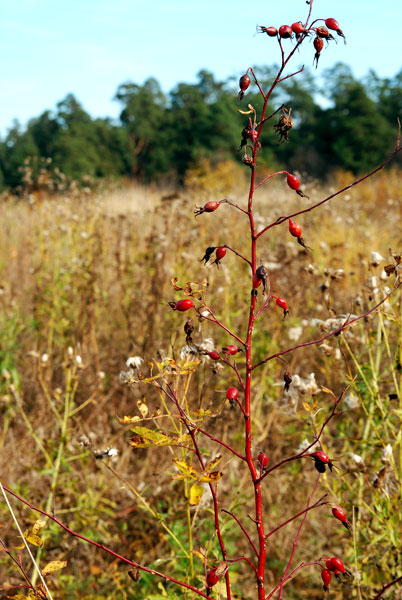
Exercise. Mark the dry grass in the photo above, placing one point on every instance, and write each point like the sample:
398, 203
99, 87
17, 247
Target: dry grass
85, 282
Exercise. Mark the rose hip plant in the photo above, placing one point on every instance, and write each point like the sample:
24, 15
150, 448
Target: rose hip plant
183, 429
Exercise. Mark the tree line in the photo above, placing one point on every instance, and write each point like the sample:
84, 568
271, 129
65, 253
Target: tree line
343, 124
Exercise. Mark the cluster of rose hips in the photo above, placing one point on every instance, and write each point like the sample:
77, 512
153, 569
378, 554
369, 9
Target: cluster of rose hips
298, 29
333, 565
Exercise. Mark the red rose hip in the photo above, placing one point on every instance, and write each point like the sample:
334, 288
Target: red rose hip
271, 31
263, 459
232, 393
326, 578
182, 305
285, 31
244, 82
209, 207
295, 229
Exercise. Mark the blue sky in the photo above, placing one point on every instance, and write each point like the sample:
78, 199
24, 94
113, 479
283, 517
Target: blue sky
89, 47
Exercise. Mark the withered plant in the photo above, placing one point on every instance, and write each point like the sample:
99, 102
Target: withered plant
187, 431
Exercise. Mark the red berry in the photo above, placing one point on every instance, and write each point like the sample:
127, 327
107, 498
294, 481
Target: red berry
212, 578
271, 31
335, 565
220, 253
230, 349
282, 303
285, 31
340, 514
208, 207
263, 459
318, 44
332, 24
244, 82
293, 182
214, 355
320, 455
321, 460
297, 28
182, 305
232, 393
211, 206
326, 578
295, 229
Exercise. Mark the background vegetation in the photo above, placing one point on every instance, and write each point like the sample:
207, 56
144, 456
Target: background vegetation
340, 124
85, 281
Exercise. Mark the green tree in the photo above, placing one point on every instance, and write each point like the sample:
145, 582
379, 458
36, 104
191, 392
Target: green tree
352, 134
144, 118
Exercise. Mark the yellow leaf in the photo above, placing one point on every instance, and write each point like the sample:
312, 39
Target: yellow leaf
315, 404
127, 420
40, 524
306, 406
213, 463
143, 408
199, 555
202, 412
188, 471
196, 492
53, 566
34, 539
210, 477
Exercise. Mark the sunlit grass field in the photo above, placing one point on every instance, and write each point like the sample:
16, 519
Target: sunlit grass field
85, 281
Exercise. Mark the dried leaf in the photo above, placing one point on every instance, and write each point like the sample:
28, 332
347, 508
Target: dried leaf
201, 412
173, 281
54, 565
212, 464
146, 438
40, 524
142, 407
201, 554
210, 477
134, 574
127, 420
306, 406
221, 568
196, 492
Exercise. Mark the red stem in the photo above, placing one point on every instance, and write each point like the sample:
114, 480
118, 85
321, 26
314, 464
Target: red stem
344, 189
384, 589
332, 333
103, 547
283, 578
242, 528
215, 320
218, 441
316, 505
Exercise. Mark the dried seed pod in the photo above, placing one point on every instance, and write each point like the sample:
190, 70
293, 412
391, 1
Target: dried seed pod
208, 252
284, 125
188, 330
